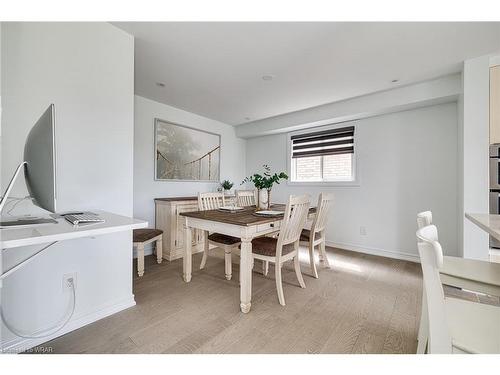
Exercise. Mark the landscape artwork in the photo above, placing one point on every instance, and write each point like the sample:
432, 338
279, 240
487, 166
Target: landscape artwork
184, 153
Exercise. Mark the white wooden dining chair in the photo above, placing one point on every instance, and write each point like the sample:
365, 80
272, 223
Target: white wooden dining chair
455, 326
316, 235
245, 198
212, 201
286, 246
423, 219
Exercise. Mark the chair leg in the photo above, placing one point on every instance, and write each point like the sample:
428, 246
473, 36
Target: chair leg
279, 285
205, 250
311, 260
323, 253
296, 264
423, 328
159, 250
228, 264
265, 267
140, 259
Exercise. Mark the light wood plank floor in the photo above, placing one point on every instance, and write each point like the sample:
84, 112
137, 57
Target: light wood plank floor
363, 304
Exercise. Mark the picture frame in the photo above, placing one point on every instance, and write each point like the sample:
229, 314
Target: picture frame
185, 153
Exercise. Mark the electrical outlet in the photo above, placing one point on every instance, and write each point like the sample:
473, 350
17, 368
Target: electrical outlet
66, 281
362, 231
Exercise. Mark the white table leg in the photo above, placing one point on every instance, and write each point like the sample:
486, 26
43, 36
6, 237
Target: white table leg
188, 252
246, 275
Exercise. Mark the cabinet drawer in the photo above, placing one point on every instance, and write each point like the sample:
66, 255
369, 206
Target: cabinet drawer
268, 226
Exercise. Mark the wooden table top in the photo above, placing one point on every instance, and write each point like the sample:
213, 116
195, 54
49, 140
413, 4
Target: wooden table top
192, 198
244, 217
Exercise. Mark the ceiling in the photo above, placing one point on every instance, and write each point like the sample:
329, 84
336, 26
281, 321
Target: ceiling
216, 69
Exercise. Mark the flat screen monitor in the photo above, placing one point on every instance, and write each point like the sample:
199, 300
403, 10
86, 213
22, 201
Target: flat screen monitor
40, 161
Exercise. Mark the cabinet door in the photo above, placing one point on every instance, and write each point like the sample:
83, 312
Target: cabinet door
179, 232
495, 104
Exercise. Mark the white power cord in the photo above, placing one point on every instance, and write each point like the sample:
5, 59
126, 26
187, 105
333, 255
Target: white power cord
48, 331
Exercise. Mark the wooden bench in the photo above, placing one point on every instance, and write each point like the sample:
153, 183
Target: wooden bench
143, 237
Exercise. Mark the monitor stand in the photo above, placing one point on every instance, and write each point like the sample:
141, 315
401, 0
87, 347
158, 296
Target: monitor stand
25, 221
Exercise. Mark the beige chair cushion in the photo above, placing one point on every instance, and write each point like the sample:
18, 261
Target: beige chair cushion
306, 235
267, 246
223, 239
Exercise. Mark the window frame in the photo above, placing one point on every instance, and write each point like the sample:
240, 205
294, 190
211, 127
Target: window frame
355, 162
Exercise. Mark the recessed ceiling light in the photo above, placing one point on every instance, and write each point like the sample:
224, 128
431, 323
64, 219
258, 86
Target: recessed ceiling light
395, 80
160, 84
268, 77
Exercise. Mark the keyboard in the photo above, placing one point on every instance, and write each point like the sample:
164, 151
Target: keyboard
76, 219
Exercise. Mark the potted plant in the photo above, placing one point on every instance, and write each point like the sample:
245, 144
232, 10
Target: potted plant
227, 185
264, 184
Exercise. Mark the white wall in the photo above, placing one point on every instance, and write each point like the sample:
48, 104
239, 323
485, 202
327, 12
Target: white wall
441, 90
407, 163
86, 70
475, 135
145, 187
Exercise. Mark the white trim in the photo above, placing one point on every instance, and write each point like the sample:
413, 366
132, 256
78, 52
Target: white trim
19, 344
375, 251
340, 183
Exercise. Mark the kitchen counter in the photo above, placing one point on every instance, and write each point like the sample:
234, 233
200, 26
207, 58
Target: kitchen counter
487, 222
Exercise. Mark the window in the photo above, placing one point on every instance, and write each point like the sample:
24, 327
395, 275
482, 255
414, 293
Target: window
323, 156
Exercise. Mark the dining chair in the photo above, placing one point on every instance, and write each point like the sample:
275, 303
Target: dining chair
455, 325
212, 201
245, 198
423, 219
316, 235
286, 246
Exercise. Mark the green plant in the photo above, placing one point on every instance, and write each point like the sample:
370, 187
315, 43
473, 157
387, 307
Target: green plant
267, 180
227, 185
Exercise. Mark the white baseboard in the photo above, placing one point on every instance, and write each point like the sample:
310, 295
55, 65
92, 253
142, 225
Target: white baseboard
375, 251
19, 344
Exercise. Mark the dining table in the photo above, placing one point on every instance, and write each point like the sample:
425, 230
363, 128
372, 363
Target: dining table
244, 223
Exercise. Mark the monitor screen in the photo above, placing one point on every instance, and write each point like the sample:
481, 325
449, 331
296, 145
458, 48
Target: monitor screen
40, 158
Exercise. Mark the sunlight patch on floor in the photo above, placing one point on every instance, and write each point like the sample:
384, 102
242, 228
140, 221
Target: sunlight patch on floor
334, 262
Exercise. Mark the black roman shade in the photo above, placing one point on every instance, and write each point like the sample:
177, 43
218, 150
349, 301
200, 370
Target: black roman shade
327, 142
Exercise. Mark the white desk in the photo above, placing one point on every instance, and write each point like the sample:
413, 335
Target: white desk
63, 230
50, 233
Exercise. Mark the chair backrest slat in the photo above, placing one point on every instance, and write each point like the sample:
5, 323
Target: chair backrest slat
210, 201
431, 259
245, 198
294, 219
325, 204
424, 219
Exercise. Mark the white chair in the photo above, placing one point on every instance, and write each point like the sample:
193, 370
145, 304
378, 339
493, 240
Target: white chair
212, 201
286, 246
455, 326
245, 198
316, 236
423, 219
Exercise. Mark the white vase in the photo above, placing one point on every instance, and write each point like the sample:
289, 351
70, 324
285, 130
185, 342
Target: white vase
263, 197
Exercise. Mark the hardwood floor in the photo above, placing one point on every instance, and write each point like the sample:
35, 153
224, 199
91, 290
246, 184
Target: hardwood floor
363, 304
